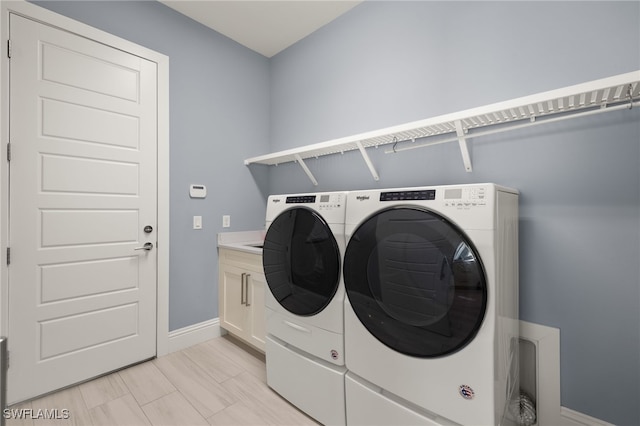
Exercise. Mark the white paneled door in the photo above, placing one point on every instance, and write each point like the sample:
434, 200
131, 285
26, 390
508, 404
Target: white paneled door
83, 173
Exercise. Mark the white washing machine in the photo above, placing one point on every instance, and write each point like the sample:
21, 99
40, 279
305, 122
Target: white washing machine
302, 259
431, 313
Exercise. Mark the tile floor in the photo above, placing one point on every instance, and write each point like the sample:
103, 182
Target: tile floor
218, 382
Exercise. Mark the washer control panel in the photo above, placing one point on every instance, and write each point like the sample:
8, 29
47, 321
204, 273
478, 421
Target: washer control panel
320, 201
331, 201
301, 199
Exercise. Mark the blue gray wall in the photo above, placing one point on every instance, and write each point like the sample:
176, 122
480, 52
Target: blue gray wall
219, 93
387, 63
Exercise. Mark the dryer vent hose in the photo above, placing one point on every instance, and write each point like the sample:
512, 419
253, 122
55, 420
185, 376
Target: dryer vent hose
523, 410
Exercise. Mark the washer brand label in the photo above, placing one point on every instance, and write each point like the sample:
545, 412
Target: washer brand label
466, 391
275, 200
334, 354
362, 197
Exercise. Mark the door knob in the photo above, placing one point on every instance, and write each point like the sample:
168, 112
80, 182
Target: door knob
146, 246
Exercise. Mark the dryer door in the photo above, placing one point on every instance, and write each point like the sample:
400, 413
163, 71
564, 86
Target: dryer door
301, 261
415, 281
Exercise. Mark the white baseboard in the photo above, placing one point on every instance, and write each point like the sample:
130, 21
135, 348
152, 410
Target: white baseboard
574, 418
194, 334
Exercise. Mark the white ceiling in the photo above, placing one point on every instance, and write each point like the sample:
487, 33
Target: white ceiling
265, 26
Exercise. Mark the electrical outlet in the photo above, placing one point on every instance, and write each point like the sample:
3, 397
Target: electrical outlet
226, 221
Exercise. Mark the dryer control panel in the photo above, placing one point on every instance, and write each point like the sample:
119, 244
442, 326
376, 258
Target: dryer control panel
465, 197
462, 197
426, 194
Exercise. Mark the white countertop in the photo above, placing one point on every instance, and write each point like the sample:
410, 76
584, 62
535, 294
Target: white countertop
242, 241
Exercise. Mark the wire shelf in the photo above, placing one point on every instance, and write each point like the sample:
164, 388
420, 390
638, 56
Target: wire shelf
607, 94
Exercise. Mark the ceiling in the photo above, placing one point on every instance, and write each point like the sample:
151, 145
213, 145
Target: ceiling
265, 26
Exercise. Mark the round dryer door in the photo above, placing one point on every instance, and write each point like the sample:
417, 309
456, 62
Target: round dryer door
415, 282
301, 261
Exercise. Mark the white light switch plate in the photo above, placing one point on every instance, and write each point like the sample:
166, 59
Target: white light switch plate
226, 221
197, 222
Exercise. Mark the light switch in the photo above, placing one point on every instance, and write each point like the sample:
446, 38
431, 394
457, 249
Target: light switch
197, 222
226, 221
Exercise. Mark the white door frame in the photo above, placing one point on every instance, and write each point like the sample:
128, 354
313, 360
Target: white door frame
45, 16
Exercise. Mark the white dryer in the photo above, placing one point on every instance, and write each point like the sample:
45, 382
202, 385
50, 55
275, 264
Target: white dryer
431, 313
302, 259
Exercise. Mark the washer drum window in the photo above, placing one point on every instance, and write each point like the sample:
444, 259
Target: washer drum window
301, 261
415, 282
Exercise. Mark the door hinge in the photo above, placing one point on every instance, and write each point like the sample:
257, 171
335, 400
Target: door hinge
8, 256
9, 48
9, 151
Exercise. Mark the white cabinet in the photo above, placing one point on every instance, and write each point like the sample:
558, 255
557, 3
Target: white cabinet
241, 287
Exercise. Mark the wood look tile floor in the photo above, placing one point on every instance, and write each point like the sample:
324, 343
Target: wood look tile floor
218, 382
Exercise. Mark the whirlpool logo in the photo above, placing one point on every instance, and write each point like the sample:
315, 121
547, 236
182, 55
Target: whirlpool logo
362, 197
275, 200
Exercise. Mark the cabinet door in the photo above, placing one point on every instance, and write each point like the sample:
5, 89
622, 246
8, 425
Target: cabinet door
233, 313
256, 326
